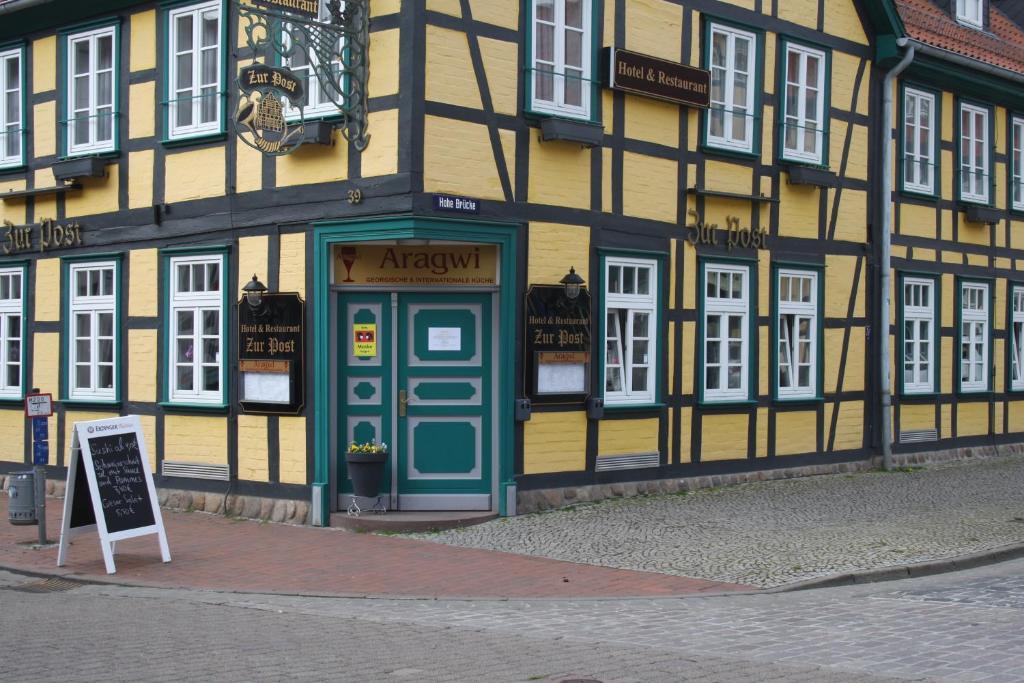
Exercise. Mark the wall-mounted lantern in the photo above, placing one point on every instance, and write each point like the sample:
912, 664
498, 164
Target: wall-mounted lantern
253, 291
572, 283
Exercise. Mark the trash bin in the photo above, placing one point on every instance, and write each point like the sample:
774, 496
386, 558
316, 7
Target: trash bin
22, 491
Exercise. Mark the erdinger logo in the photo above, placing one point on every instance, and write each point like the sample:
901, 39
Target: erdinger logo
260, 120
107, 428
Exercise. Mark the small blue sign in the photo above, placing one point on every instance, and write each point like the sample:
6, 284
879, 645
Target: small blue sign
40, 429
447, 202
40, 452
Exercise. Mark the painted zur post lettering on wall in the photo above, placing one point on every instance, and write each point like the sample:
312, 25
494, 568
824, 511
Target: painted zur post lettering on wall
48, 235
735, 236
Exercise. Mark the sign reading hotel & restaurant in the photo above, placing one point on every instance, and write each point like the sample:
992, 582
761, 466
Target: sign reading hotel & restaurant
658, 78
467, 265
557, 344
270, 348
309, 8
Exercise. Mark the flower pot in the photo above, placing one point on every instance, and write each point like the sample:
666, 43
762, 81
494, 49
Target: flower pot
366, 470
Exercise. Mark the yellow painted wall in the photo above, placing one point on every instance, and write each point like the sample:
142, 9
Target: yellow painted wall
70, 418
917, 416
559, 174
649, 187
193, 438
971, 419
553, 248
12, 426
723, 437
849, 426
148, 423
1016, 415
45, 130
505, 14
621, 437
384, 58
142, 53
292, 271
44, 65
796, 433
449, 70
194, 174
46, 362
142, 287
98, 195
381, 158
140, 179
501, 66
253, 457
292, 450
252, 258
458, 158
654, 27
48, 289
555, 442
314, 164
142, 359
143, 109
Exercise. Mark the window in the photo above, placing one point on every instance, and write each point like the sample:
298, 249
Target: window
730, 119
1017, 165
970, 12
197, 329
973, 337
194, 70
804, 105
973, 153
92, 358
318, 99
631, 331
1017, 339
561, 57
919, 118
11, 128
11, 331
797, 334
91, 91
726, 340
918, 335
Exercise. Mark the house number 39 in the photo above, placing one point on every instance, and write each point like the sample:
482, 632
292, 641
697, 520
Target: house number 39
355, 196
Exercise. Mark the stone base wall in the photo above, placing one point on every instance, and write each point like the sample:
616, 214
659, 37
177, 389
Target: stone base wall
252, 507
551, 499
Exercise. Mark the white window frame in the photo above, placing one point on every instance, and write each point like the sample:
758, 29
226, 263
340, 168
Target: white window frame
1017, 164
971, 12
12, 125
12, 306
727, 105
916, 312
315, 107
632, 303
802, 120
95, 145
93, 306
559, 106
976, 318
912, 141
195, 303
799, 310
970, 165
1017, 338
724, 308
194, 99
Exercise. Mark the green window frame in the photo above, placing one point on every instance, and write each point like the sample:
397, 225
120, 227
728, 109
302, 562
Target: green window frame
194, 109
547, 66
794, 128
725, 112
715, 338
974, 329
798, 298
178, 300
1016, 165
84, 106
85, 293
1015, 337
919, 169
918, 299
13, 328
13, 89
975, 131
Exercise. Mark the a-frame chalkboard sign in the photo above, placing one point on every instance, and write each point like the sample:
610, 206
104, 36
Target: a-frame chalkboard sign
110, 488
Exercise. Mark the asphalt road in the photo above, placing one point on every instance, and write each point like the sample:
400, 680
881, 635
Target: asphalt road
965, 626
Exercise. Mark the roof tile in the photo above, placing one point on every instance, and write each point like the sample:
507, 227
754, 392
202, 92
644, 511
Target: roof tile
1002, 45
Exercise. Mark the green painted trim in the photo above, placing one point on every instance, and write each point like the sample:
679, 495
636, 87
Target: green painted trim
65, 336
1011, 117
194, 139
773, 351
708, 20
957, 137
23, 265
184, 251
1008, 372
596, 33
328, 233
752, 346
84, 403
63, 92
936, 140
936, 340
98, 256
958, 333
23, 86
172, 407
637, 407
785, 42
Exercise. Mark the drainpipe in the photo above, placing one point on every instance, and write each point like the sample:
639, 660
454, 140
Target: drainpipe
885, 266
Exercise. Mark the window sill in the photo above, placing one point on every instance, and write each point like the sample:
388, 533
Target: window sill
923, 396
86, 403
197, 139
106, 154
584, 132
919, 194
982, 213
974, 393
808, 173
798, 400
19, 168
626, 407
12, 402
711, 148
182, 407
726, 403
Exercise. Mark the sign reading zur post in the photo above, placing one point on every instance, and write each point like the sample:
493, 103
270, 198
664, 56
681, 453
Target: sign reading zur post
270, 348
110, 488
557, 345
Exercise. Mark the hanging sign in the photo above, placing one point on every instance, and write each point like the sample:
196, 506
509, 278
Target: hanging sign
270, 351
658, 78
260, 120
309, 8
109, 488
557, 345
422, 264
364, 340
38, 405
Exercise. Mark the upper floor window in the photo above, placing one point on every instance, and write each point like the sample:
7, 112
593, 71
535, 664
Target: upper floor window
92, 359
194, 70
11, 117
730, 119
804, 105
197, 329
1017, 165
974, 331
918, 335
12, 326
318, 99
919, 138
91, 91
631, 330
797, 331
971, 12
560, 63
974, 153
726, 342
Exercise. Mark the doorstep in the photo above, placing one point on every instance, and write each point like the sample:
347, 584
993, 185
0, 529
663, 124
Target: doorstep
403, 522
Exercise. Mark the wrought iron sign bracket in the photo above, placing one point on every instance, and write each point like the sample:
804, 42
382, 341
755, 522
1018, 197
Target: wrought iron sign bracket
284, 33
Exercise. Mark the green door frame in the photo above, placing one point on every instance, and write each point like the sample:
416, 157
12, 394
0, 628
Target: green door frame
325, 236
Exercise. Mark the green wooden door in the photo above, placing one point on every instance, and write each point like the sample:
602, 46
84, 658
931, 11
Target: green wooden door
365, 401
444, 381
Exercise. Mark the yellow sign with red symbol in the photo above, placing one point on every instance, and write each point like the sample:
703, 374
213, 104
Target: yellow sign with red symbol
364, 340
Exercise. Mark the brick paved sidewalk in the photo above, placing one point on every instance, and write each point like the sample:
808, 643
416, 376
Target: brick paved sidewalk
214, 552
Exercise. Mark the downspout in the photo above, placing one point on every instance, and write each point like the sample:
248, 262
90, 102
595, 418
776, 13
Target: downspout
885, 265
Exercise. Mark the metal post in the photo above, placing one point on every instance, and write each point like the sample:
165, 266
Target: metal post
40, 483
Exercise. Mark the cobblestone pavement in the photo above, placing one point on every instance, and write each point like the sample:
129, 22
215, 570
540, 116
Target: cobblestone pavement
776, 532
956, 627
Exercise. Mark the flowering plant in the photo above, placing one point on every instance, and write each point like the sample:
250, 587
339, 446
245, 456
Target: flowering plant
370, 447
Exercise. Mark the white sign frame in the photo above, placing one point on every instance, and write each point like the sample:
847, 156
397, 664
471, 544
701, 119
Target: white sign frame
38, 405
128, 424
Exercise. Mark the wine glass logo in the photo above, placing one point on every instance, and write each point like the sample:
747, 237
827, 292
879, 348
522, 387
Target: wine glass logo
348, 257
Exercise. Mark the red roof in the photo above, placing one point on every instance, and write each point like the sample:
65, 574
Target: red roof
1002, 45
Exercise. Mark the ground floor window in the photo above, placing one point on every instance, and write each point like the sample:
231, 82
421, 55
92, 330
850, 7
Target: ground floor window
630, 302
12, 325
974, 336
797, 333
196, 320
918, 329
93, 331
726, 332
